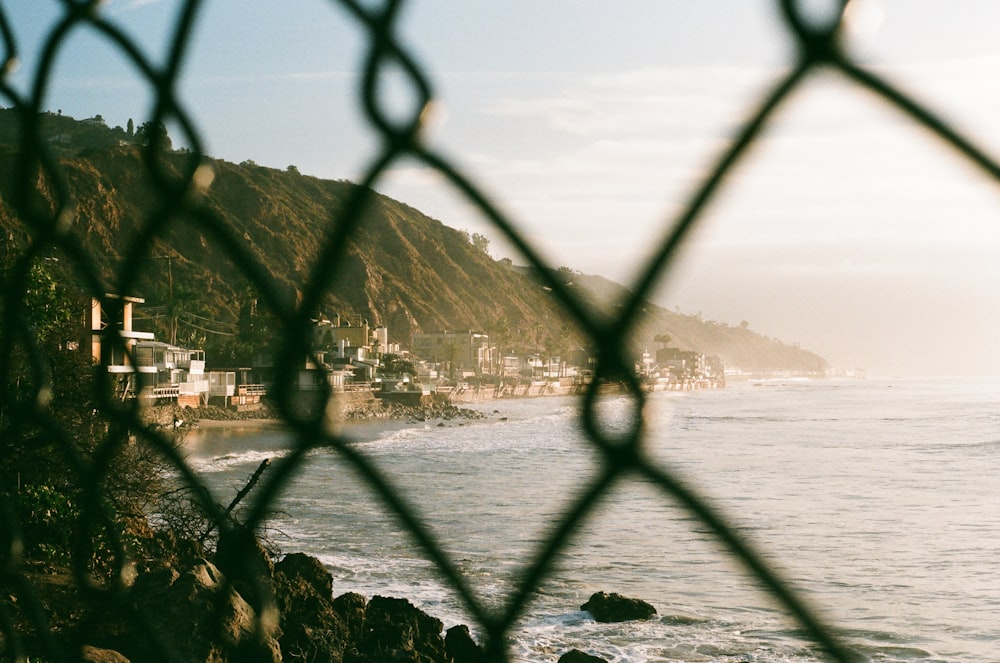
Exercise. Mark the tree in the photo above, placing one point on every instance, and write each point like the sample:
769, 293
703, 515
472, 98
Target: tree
183, 299
566, 275
154, 133
481, 242
39, 325
49, 306
396, 365
255, 333
49, 385
501, 332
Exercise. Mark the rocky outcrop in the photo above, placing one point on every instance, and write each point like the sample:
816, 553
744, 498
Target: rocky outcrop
348, 629
431, 409
312, 629
191, 611
577, 656
617, 608
460, 646
395, 630
201, 617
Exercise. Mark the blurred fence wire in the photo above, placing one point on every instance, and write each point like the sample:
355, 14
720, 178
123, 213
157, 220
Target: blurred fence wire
819, 48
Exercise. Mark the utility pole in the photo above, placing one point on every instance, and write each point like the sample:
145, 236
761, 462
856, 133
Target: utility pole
170, 290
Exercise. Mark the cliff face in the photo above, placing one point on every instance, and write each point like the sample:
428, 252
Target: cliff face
402, 269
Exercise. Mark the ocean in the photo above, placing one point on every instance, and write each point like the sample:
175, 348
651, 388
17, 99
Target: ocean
877, 499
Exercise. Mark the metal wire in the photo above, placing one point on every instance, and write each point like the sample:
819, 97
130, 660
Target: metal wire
624, 456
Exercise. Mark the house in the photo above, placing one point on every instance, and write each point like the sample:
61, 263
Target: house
687, 367
148, 368
465, 352
340, 332
681, 363
170, 372
236, 388
112, 337
511, 366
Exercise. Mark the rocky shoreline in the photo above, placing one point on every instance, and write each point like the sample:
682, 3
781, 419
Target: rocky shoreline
183, 602
240, 606
371, 410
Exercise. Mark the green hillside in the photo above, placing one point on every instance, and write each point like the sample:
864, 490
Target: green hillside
403, 270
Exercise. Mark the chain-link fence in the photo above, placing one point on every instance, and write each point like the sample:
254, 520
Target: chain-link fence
29, 381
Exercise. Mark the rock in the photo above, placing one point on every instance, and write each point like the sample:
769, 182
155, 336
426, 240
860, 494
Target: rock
396, 630
312, 628
460, 646
98, 655
243, 561
617, 608
351, 609
577, 656
349, 628
309, 569
201, 618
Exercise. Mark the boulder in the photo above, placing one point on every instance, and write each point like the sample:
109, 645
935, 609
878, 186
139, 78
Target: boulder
308, 569
98, 655
351, 609
617, 608
312, 628
396, 630
246, 565
349, 628
460, 646
201, 618
577, 656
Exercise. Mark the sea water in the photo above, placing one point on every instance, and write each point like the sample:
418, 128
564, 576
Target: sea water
877, 500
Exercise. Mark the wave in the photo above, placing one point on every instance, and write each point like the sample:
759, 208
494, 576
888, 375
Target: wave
515, 424
213, 464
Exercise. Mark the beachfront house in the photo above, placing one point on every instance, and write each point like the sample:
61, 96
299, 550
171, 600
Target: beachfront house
112, 337
148, 368
462, 353
172, 373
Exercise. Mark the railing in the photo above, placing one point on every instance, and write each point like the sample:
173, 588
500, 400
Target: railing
161, 393
819, 49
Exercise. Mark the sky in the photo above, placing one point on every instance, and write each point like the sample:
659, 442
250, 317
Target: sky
845, 229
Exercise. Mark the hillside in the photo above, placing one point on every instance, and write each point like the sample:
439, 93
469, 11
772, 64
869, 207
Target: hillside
403, 270
737, 346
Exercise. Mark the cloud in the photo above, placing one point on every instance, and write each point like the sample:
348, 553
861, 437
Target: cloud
644, 102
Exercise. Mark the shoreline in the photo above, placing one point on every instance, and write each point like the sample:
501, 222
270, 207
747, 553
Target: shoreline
367, 416
263, 423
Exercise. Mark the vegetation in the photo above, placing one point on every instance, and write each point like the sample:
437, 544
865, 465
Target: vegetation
49, 435
398, 366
